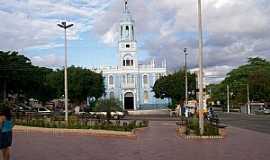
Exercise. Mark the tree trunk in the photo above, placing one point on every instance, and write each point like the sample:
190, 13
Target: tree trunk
5, 90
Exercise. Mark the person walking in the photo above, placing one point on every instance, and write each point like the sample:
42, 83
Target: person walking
5, 131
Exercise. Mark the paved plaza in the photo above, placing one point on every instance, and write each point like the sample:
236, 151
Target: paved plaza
157, 142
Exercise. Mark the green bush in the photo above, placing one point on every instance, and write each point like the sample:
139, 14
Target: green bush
210, 130
193, 127
76, 123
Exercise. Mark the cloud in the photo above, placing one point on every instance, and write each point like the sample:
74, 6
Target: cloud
49, 60
233, 31
30, 23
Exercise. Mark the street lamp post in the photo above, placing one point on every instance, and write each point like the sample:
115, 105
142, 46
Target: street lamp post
228, 99
248, 100
201, 117
65, 26
186, 78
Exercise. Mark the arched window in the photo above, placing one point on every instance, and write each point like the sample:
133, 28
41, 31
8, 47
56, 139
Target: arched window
145, 96
110, 80
145, 79
128, 60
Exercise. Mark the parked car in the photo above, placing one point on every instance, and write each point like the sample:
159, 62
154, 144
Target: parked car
42, 110
18, 108
262, 111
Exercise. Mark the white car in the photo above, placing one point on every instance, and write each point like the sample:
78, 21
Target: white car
43, 110
264, 111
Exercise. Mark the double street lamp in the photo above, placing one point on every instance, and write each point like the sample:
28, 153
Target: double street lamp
65, 26
186, 78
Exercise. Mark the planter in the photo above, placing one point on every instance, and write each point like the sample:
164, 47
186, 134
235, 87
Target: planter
222, 132
181, 131
85, 132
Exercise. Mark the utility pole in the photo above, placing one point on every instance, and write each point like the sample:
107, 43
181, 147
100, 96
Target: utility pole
201, 111
248, 101
228, 99
65, 26
186, 78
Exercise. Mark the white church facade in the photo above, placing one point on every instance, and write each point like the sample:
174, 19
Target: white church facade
130, 81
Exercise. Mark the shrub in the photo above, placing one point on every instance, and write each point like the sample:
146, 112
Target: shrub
76, 123
193, 127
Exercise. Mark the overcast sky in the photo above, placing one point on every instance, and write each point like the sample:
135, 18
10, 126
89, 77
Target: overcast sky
233, 31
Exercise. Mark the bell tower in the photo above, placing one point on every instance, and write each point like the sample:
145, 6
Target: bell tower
127, 44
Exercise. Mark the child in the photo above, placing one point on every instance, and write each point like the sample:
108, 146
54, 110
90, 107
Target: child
5, 131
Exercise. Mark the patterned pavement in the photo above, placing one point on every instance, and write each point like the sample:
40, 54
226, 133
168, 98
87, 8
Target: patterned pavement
157, 142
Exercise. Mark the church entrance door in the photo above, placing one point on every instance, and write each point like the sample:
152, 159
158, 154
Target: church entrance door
129, 101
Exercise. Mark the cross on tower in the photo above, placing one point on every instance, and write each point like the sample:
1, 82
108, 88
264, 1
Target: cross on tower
126, 5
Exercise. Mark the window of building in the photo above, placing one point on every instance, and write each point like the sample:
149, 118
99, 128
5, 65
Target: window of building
128, 62
110, 80
130, 79
124, 79
145, 96
121, 31
145, 79
127, 46
127, 28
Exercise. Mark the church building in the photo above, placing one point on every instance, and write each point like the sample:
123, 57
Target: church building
130, 81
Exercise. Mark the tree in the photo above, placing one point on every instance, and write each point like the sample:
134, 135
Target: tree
255, 74
18, 76
40, 88
173, 86
82, 83
14, 72
108, 106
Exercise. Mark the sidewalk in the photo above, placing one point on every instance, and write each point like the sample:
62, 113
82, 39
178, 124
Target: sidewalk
158, 142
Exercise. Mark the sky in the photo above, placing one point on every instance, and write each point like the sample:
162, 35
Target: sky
233, 30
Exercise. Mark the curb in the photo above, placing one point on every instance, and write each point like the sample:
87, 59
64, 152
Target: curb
83, 132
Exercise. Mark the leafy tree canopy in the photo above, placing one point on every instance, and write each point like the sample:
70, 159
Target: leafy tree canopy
18, 76
255, 74
173, 86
